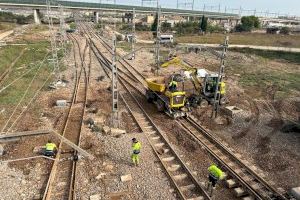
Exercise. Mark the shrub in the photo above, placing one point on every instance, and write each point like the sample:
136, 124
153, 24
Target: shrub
272, 30
10, 17
215, 29
141, 27
72, 25
186, 28
165, 27
247, 24
119, 37
285, 30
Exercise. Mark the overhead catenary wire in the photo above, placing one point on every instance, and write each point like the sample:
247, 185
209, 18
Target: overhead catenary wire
15, 80
32, 99
23, 97
27, 158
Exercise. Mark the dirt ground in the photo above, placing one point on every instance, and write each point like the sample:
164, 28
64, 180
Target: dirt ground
27, 179
102, 176
258, 133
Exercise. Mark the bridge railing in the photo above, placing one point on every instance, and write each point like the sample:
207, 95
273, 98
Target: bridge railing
119, 7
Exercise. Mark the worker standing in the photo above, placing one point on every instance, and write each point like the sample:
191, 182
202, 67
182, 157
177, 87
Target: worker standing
215, 174
136, 149
50, 149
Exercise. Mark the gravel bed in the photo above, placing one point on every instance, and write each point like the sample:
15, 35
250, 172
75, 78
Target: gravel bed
17, 185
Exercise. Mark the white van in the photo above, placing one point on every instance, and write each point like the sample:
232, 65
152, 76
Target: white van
166, 39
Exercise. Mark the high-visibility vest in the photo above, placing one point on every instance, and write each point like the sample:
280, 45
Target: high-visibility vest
50, 146
222, 88
215, 171
136, 147
173, 83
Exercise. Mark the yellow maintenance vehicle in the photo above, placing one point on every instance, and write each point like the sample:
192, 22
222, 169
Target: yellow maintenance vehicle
167, 95
204, 83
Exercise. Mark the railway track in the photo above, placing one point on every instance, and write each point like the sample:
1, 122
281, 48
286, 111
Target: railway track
62, 177
246, 182
182, 178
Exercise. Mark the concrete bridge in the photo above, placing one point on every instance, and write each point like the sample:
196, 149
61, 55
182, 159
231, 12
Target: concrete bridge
37, 5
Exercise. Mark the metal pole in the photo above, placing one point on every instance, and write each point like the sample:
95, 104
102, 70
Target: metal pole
158, 39
115, 92
217, 95
193, 4
53, 41
133, 35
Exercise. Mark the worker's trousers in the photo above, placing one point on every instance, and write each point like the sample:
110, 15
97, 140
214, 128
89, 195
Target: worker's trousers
135, 158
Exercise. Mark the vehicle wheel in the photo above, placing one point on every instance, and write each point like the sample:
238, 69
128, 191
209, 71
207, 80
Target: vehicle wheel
149, 97
203, 103
194, 101
160, 105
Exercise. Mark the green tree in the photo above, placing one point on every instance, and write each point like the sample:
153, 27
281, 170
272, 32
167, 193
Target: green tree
203, 24
248, 23
154, 25
165, 27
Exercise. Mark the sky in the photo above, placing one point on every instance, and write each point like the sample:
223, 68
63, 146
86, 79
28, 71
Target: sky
291, 7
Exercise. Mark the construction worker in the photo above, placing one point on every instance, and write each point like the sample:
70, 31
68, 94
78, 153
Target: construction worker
50, 149
172, 86
215, 174
136, 149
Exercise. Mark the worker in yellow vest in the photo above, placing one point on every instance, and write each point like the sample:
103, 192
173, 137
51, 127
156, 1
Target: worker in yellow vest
50, 149
215, 174
136, 149
173, 86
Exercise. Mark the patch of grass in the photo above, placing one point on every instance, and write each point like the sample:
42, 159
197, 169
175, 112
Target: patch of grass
38, 28
286, 83
31, 59
259, 39
125, 46
5, 26
286, 56
8, 54
259, 70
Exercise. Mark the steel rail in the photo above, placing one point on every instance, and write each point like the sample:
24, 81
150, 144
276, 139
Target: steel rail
253, 190
247, 177
182, 178
67, 190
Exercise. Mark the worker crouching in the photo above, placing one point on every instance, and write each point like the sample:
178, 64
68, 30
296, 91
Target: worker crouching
50, 149
215, 174
136, 149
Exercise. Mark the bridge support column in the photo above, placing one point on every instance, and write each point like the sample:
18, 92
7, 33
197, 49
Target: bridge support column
36, 16
96, 17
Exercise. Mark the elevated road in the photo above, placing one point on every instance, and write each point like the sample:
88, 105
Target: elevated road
41, 4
